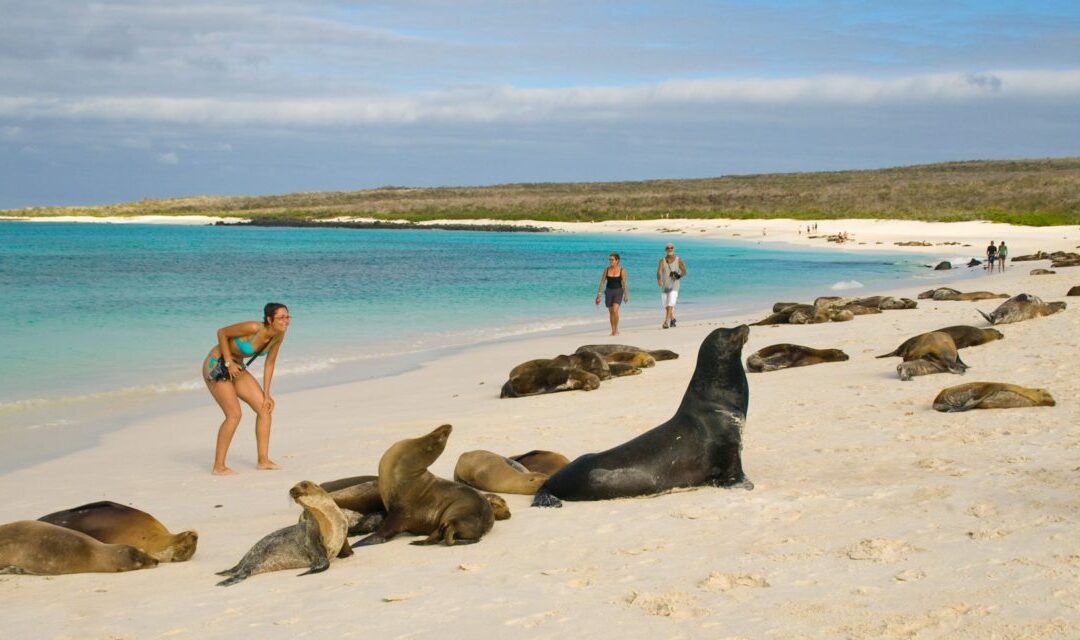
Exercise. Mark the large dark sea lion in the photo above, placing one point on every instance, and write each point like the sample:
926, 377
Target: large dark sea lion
534, 382
118, 524
963, 336
542, 461
488, 471
42, 548
1022, 307
419, 502
699, 445
782, 356
313, 542
990, 395
933, 352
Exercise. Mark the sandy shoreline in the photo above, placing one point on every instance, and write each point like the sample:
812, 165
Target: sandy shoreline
874, 516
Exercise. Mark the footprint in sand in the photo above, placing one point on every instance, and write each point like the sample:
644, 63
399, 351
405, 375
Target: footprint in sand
674, 604
727, 581
879, 550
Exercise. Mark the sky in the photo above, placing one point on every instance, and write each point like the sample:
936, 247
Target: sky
122, 100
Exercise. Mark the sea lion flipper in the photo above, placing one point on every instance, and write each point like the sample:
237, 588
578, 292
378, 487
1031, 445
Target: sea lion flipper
888, 355
319, 565
11, 569
988, 318
345, 550
544, 498
243, 575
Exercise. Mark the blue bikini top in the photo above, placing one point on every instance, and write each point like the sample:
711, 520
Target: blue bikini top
244, 346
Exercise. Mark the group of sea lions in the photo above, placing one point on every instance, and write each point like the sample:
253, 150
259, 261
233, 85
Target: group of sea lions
832, 309
96, 537
584, 369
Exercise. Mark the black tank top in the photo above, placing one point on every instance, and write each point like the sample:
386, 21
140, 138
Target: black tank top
615, 282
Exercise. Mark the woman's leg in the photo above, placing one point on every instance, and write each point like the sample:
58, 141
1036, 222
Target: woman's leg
225, 395
613, 315
251, 393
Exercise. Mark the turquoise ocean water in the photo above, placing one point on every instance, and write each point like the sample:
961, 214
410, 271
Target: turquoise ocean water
114, 314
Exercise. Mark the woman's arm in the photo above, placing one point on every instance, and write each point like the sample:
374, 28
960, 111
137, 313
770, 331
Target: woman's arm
600, 287
682, 267
625, 287
233, 331
268, 372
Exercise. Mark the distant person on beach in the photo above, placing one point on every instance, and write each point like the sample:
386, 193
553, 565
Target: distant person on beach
1002, 254
229, 381
615, 289
669, 273
991, 255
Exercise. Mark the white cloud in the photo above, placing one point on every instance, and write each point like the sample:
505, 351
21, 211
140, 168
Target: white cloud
168, 158
510, 104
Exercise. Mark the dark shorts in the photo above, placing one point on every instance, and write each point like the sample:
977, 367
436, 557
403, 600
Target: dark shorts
612, 296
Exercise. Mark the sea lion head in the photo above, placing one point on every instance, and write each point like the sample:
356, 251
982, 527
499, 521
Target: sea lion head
834, 355
182, 548
417, 454
128, 558
1043, 398
499, 508
993, 334
719, 377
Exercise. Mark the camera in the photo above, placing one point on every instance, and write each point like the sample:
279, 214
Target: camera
676, 275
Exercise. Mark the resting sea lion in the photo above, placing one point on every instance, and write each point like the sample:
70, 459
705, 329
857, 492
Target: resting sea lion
933, 352
360, 495
548, 380
118, 524
1041, 272
782, 356
699, 445
621, 369
489, 471
343, 483
963, 336
945, 293
1074, 291
42, 548
319, 536
990, 395
605, 349
638, 359
589, 361
1022, 307
418, 502
542, 461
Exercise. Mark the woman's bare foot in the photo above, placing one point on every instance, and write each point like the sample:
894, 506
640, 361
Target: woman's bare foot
223, 471
269, 465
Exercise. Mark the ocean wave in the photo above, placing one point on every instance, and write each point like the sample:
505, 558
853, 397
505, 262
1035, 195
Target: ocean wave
149, 390
844, 285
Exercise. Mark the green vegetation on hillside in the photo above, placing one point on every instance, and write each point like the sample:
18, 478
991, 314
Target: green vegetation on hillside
1025, 192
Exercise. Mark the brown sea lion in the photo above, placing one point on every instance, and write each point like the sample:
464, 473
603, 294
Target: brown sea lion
963, 336
1022, 307
33, 547
589, 361
535, 382
540, 461
933, 352
488, 471
421, 503
806, 314
360, 495
1041, 272
1074, 291
990, 395
621, 369
783, 356
499, 508
343, 483
319, 536
605, 349
639, 359
114, 523
946, 293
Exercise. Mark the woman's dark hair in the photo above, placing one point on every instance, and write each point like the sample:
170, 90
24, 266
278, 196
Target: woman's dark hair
614, 255
270, 309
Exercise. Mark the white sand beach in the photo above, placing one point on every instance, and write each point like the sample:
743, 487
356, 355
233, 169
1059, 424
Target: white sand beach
873, 516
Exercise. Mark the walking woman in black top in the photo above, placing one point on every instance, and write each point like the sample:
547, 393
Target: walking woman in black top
616, 290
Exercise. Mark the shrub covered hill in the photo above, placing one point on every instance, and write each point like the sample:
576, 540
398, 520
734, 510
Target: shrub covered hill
1027, 192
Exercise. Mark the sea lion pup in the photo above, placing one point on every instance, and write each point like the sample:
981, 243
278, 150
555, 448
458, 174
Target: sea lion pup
489, 471
638, 359
319, 536
32, 547
605, 349
699, 445
419, 502
963, 336
118, 524
534, 382
933, 352
783, 356
542, 461
1022, 307
990, 395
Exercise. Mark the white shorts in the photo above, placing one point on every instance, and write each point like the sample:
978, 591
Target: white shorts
668, 299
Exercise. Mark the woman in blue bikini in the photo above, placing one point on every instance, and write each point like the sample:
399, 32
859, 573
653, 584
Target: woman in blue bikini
239, 341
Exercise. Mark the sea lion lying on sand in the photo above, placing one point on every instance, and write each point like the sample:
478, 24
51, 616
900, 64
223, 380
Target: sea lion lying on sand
114, 523
946, 293
360, 495
963, 336
990, 395
636, 359
589, 361
488, 471
605, 349
933, 352
31, 547
313, 542
534, 382
783, 356
542, 461
1022, 307
420, 503
700, 444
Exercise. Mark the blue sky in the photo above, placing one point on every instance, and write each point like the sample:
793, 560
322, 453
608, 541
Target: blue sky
115, 101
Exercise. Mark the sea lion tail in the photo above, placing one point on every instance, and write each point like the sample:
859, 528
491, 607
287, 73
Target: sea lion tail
545, 498
231, 580
988, 318
888, 355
